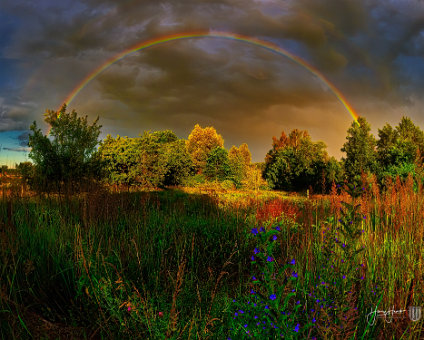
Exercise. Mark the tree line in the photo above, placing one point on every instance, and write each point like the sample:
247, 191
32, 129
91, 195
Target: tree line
72, 155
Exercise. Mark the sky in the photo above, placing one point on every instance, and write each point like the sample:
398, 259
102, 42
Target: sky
372, 51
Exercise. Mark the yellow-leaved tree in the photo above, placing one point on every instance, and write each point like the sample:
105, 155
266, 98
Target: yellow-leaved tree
200, 142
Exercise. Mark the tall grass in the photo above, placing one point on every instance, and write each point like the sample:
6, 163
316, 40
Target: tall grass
170, 264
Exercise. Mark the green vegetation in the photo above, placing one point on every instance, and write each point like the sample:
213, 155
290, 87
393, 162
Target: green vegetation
179, 264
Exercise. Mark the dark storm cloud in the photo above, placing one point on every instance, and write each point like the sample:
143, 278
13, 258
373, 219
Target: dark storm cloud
17, 149
23, 139
370, 49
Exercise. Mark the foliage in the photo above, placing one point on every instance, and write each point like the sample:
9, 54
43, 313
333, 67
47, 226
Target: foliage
399, 150
120, 158
218, 164
155, 159
200, 143
253, 179
359, 149
240, 159
295, 162
66, 157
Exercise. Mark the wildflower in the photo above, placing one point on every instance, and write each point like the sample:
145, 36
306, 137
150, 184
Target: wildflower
293, 262
344, 276
266, 307
294, 274
245, 326
129, 308
277, 228
254, 278
252, 291
274, 237
254, 231
269, 259
314, 320
256, 250
296, 329
252, 258
262, 230
273, 297
160, 314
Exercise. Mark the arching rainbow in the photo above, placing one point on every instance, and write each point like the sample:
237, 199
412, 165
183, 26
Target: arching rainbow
213, 34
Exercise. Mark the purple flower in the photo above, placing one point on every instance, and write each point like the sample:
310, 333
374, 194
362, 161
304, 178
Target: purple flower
294, 274
277, 228
274, 237
344, 245
256, 250
262, 230
293, 262
269, 259
252, 258
254, 231
254, 278
296, 329
344, 276
252, 291
272, 296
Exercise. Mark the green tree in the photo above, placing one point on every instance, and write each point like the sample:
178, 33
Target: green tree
399, 150
67, 157
239, 159
218, 164
360, 150
155, 159
200, 143
295, 162
120, 158
179, 165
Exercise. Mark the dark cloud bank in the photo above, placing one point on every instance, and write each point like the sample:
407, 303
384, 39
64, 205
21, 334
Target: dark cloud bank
371, 50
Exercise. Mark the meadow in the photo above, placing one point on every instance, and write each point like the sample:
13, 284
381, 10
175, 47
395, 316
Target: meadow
185, 264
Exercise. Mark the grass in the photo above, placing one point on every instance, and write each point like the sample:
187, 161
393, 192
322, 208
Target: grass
175, 264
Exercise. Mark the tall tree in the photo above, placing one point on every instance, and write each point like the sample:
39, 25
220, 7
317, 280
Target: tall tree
295, 162
240, 159
360, 150
200, 143
68, 155
218, 165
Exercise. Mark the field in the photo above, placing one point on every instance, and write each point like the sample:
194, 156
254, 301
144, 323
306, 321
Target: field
185, 264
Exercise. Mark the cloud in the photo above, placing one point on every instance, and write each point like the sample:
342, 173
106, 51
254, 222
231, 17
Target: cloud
23, 139
370, 49
18, 149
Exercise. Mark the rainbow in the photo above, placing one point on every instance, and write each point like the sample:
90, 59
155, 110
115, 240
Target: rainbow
212, 34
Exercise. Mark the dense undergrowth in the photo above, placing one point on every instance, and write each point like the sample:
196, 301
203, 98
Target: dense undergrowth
182, 265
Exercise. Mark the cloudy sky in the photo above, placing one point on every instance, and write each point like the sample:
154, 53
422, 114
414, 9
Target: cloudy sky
371, 50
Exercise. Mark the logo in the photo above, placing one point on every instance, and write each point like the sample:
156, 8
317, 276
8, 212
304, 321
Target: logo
414, 313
